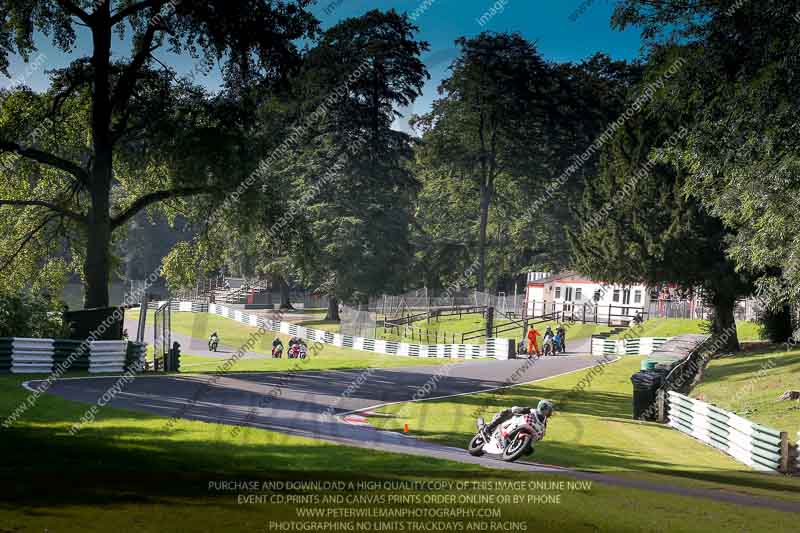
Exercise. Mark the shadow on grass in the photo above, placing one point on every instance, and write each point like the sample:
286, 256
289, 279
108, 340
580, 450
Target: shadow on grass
746, 366
591, 457
594, 403
130, 463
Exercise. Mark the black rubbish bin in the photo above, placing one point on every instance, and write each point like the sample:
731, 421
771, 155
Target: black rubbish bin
645, 387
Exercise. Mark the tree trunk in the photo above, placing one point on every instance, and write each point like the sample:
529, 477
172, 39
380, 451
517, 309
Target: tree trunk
333, 309
285, 301
485, 201
97, 265
723, 324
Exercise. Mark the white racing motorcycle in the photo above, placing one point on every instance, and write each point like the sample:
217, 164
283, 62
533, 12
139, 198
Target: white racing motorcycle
511, 440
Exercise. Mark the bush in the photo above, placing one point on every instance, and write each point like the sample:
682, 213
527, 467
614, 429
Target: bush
25, 314
776, 325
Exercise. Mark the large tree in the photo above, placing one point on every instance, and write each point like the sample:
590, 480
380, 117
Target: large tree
488, 123
638, 225
572, 104
739, 85
349, 212
135, 135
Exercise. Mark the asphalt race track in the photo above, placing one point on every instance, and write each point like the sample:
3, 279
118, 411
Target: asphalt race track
324, 405
311, 403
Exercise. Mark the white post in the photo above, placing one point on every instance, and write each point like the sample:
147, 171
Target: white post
515, 297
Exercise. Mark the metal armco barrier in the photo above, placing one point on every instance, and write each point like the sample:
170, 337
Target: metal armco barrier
757, 446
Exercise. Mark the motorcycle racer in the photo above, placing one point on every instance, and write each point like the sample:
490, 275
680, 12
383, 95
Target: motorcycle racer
543, 411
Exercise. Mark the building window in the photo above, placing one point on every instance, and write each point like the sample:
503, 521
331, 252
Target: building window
637, 297
597, 295
577, 295
558, 292
616, 295
568, 294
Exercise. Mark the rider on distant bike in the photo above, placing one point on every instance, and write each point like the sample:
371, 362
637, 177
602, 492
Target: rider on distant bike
277, 348
542, 412
549, 342
213, 341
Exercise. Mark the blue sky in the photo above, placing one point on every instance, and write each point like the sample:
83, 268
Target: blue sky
440, 22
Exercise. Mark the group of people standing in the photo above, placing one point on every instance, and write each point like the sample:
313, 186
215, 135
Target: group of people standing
557, 338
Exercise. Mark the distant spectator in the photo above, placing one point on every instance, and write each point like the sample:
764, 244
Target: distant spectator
533, 345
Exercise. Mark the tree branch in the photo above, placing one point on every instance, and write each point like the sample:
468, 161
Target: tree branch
51, 206
127, 82
24, 242
75, 11
155, 197
126, 12
46, 159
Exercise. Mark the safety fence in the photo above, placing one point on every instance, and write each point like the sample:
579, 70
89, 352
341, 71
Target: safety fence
192, 307
493, 348
757, 446
637, 346
41, 356
795, 450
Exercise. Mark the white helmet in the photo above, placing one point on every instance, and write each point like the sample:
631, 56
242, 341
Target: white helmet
545, 407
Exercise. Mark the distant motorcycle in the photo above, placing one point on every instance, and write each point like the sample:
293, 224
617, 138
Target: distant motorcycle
298, 351
549, 347
511, 440
213, 343
294, 351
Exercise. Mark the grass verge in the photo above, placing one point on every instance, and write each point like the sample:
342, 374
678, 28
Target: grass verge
127, 471
592, 431
750, 385
234, 334
670, 327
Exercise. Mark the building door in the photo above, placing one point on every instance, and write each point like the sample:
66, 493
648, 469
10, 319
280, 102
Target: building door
626, 299
567, 307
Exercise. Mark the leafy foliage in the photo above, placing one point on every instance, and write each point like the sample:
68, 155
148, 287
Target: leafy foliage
488, 123
28, 314
352, 192
542, 121
638, 225
739, 85
121, 133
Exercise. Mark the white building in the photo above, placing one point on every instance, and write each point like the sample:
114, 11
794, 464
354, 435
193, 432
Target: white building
584, 299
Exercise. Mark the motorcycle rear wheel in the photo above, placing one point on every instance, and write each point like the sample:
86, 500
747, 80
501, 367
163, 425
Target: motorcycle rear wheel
475, 447
518, 445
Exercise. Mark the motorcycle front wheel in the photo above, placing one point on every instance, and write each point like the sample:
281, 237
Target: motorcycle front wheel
518, 445
476, 445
